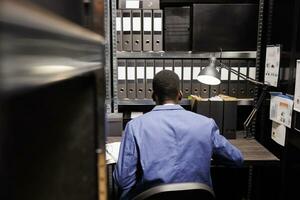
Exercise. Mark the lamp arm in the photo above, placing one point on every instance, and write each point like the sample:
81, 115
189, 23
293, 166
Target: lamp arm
241, 75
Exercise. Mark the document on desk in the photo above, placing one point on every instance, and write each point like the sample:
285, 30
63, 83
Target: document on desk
112, 152
281, 108
278, 133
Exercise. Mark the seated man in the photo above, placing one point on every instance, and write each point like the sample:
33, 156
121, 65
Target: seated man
169, 144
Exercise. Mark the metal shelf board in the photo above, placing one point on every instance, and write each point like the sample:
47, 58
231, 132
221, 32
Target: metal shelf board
187, 55
184, 102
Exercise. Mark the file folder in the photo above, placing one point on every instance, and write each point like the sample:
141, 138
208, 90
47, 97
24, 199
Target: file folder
233, 79
122, 79
159, 65
150, 4
149, 78
178, 71
168, 64
131, 90
187, 77
214, 90
136, 30
242, 85
195, 83
140, 78
130, 4
204, 88
224, 79
230, 119
119, 30
127, 37
216, 112
202, 107
251, 74
157, 30
147, 30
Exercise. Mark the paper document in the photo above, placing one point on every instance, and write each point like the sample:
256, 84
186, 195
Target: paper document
278, 133
272, 65
112, 152
297, 88
281, 108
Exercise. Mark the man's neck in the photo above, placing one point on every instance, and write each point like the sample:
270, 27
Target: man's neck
168, 102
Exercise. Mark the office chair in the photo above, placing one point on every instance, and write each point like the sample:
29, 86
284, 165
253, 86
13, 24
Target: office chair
175, 191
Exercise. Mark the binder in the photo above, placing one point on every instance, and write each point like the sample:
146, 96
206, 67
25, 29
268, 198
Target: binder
147, 30
214, 90
127, 37
131, 90
204, 88
150, 4
149, 78
130, 4
251, 74
195, 83
216, 112
187, 77
233, 79
168, 64
242, 85
159, 65
230, 119
140, 78
122, 79
157, 30
178, 71
119, 30
224, 87
136, 30
202, 107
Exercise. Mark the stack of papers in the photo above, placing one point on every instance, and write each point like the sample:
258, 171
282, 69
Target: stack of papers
112, 152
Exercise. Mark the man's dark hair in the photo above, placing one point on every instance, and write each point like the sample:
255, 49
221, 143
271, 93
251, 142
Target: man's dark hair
166, 85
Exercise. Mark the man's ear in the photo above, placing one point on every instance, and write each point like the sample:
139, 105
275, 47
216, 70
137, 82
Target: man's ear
180, 94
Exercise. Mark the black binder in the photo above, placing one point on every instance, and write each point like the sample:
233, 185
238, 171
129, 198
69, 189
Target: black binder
140, 78
187, 77
202, 107
131, 89
251, 74
204, 88
216, 112
119, 30
242, 86
195, 72
178, 70
233, 78
230, 119
122, 92
127, 34
149, 77
224, 86
136, 30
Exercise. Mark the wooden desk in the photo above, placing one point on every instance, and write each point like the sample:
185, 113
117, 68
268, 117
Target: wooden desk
254, 153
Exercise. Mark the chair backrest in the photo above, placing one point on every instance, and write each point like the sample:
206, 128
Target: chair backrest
173, 191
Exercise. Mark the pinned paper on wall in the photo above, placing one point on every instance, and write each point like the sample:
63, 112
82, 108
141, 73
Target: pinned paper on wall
278, 133
272, 65
297, 88
281, 108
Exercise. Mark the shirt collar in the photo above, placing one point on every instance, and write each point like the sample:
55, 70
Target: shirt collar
168, 107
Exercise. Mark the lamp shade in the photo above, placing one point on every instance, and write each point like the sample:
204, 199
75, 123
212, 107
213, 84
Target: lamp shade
210, 75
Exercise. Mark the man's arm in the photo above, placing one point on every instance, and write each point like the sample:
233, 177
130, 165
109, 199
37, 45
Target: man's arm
223, 149
125, 171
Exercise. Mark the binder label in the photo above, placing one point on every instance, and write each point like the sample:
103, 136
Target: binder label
252, 72
149, 72
177, 70
233, 76
140, 73
158, 69
126, 24
157, 25
196, 71
121, 73
224, 74
130, 73
187, 72
147, 24
118, 24
243, 70
132, 4
136, 24
169, 68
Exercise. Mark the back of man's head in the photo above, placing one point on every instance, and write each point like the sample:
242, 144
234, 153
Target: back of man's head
166, 86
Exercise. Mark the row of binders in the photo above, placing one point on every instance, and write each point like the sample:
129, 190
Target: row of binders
139, 30
135, 77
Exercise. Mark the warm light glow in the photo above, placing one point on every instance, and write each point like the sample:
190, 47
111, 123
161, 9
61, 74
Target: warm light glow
51, 69
208, 80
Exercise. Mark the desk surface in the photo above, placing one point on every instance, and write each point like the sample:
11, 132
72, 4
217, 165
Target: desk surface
253, 151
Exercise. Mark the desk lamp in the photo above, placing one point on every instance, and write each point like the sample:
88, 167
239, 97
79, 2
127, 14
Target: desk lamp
211, 75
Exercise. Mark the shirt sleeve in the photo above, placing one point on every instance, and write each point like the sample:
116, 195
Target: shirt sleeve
224, 150
126, 167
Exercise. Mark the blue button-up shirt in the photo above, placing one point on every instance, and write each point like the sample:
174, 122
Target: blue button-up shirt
170, 145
